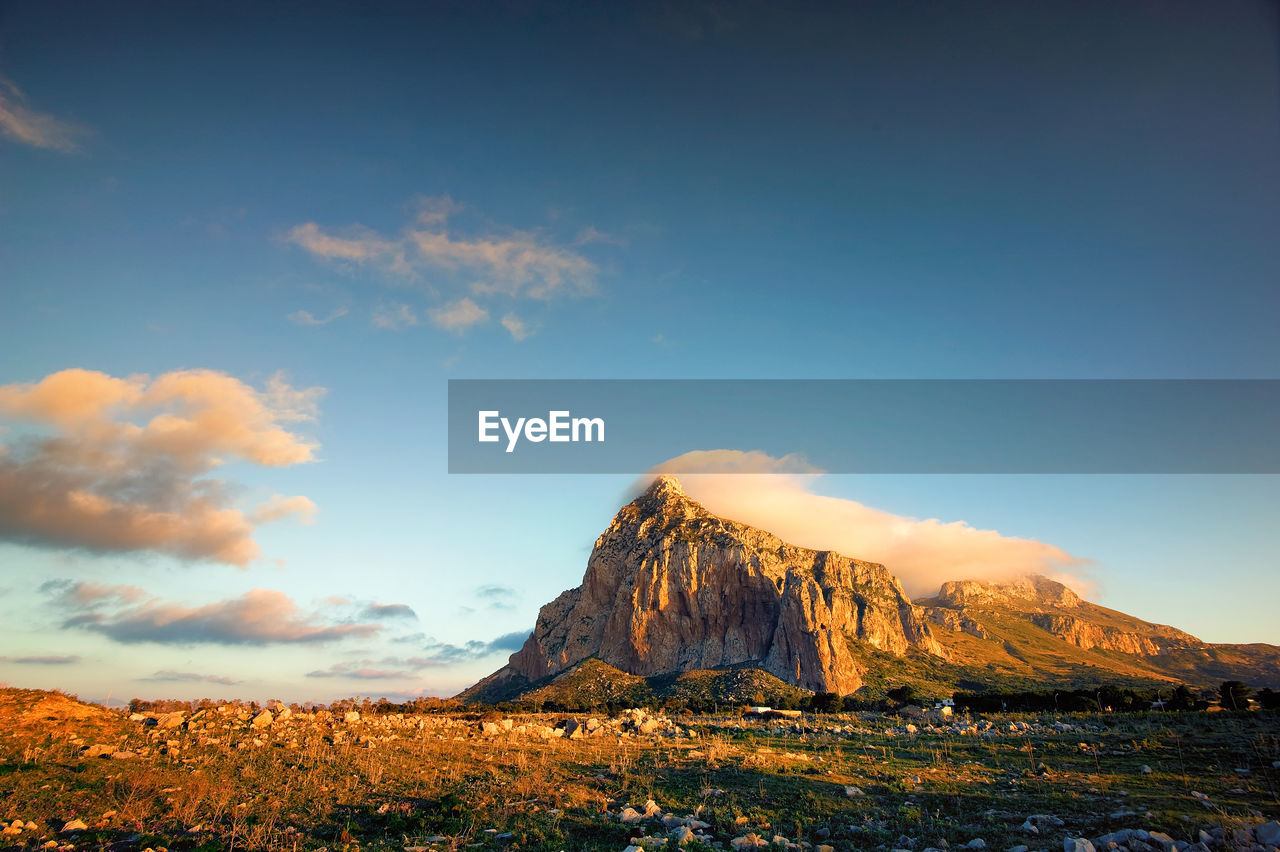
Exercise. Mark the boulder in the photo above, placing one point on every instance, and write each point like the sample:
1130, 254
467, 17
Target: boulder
1268, 834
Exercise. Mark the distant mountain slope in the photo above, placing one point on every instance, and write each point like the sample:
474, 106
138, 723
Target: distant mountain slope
674, 592
1037, 628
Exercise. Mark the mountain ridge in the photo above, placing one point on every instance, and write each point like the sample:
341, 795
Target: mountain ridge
671, 588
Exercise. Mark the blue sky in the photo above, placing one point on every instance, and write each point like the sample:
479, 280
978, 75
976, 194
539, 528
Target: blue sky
705, 190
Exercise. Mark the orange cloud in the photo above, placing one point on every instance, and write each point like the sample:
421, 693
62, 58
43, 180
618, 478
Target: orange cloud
500, 262
121, 463
776, 495
258, 617
40, 130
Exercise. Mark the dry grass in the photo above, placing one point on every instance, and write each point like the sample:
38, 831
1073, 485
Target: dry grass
396, 782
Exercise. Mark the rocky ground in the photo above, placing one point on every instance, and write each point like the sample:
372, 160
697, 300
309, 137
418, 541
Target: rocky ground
76, 776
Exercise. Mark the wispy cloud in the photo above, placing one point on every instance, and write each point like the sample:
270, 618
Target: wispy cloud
445, 653
302, 317
280, 506
258, 617
394, 317
485, 262
381, 611
459, 316
51, 660
590, 235
359, 671
40, 130
776, 494
170, 676
516, 327
498, 597
121, 463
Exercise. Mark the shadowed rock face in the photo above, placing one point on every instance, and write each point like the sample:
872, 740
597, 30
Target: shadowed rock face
670, 588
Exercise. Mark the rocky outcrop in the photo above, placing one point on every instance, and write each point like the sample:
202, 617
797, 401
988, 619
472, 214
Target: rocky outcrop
1056, 609
955, 620
1034, 589
1086, 634
669, 587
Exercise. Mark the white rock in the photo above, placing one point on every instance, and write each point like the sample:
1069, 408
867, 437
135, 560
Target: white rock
854, 792
75, 825
682, 834
1077, 844
630, 815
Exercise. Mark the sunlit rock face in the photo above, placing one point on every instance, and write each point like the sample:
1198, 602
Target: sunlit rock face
670, 587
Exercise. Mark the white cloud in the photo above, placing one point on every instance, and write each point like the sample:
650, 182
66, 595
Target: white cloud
395, 316
307, 318
459, 316
777, 495
518, 328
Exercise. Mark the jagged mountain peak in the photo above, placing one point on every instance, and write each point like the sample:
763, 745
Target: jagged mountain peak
665, 486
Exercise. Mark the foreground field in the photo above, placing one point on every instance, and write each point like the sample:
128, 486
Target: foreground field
76, 776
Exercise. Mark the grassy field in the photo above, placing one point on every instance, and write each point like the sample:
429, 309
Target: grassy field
217, 781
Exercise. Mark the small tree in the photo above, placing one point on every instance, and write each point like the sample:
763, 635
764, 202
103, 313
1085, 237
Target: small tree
1234, 695
1268, 699
1183, 699
825, 702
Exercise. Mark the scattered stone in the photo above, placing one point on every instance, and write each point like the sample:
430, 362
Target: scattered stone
1268, 834
630, 815
1077, 844
854, 792
1144, 769
263, 719
682, 834
75, 825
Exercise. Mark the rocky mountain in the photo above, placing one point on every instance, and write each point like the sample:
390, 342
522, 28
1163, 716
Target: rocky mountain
672, 589
1037, 629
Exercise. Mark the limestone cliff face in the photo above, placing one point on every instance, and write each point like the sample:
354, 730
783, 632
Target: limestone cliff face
670, 587
1055, 609
1034, 589
1086, 635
